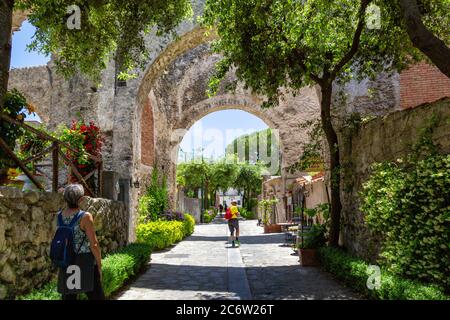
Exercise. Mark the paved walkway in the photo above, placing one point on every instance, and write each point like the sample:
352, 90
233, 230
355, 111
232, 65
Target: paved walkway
203, 267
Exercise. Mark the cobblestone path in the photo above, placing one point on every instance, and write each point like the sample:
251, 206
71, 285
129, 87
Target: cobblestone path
203, 267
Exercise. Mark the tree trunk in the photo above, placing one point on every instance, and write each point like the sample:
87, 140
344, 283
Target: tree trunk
330, 133
423, 39
6, 14
206, 196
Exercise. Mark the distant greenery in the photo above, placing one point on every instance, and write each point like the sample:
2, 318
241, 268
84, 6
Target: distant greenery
209, 216
354, 272
257, 147
247, 214
162, 234
117, 268
221, 175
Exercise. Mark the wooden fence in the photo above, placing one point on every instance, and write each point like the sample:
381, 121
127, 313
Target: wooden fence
57, 154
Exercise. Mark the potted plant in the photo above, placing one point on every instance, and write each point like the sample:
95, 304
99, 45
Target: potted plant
267, 210
85, 138
313, 239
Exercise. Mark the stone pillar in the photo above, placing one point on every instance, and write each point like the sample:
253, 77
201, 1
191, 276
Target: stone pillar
110, 187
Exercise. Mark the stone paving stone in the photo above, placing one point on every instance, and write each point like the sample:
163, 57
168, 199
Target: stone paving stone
200, 268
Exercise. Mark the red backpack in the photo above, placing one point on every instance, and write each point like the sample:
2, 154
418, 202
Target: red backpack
228, 214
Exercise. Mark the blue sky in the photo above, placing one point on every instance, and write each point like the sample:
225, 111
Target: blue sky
20, 57
212, 133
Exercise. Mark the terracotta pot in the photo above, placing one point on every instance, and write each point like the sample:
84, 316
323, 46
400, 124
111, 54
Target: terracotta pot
272, 228
308, 257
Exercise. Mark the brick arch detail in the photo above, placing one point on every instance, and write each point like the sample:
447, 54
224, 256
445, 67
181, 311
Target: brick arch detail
147, 135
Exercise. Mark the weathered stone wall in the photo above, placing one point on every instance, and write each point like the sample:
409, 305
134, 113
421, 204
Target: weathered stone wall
382, 139
27, 226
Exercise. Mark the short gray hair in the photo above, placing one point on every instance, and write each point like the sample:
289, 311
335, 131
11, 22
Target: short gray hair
72, 194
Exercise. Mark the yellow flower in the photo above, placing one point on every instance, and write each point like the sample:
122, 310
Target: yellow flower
31, 108
20, 117
12, 173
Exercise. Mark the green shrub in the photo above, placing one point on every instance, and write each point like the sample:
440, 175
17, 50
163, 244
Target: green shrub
162, 234
117, 268
247, 214
407, 205
155, 201
47, 292
209, 216
188, 224
354, 272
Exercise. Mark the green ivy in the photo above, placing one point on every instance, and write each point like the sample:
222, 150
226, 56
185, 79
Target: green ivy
407, 204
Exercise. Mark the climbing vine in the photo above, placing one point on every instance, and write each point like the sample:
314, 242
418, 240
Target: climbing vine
407, 204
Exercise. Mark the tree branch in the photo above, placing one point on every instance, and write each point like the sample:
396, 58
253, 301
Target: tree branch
423, 39
356, 39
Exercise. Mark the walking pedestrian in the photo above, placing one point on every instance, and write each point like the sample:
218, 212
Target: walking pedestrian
233, 223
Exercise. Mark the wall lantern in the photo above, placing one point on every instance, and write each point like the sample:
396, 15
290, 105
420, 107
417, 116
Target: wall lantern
134, 183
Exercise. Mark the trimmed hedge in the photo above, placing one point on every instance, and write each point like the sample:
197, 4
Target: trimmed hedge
353, 272
117, 268
162, 234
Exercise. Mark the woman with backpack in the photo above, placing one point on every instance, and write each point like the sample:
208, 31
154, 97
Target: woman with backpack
75, 249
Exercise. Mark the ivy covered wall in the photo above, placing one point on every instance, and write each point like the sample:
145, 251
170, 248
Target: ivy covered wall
385, 138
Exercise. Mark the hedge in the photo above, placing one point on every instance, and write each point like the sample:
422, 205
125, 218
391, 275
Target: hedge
162, 234
117, 268
353, 272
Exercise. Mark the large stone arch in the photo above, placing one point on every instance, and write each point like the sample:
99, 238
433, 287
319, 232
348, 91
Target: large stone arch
173, 90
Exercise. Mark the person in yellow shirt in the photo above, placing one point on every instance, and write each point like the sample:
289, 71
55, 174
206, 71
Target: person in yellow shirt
233, 223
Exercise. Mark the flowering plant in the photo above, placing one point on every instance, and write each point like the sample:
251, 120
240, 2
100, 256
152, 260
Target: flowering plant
85, 139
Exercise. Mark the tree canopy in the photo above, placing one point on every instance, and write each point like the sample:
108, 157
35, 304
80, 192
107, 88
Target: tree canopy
112, 28
275, 44
291, 44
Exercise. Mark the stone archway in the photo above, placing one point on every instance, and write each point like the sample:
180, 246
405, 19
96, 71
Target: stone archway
172, 97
